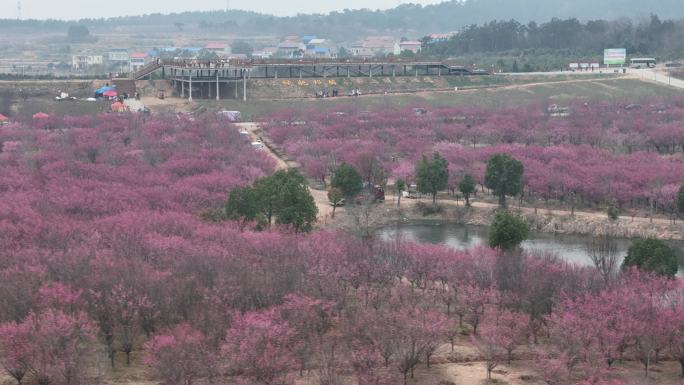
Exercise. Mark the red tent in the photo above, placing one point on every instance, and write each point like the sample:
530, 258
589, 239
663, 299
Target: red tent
41, 115
118, 107
3, 118
110, 94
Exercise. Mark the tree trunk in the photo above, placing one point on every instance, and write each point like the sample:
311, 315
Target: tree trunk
502, 200
399, 199
681, 364
467, 199
333, 213
434, 198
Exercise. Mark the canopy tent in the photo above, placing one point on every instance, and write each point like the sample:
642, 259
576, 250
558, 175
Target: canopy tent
3, 119
110, 94
105, 89
119, 107
40, 115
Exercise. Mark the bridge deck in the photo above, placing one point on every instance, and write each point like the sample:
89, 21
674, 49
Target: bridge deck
232, 70
214, 78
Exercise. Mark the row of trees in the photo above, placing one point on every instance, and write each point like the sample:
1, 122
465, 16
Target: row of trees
390, 143
590, 38
624, 127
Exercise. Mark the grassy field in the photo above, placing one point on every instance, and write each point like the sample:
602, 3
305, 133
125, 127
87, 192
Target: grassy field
492, 91
511, 95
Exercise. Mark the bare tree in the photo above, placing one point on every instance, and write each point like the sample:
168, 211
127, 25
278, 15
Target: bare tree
603, 251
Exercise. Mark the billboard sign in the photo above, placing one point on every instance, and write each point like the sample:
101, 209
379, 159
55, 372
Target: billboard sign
615, 56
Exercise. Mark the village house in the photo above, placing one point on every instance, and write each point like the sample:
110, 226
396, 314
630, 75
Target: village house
410, 46
84, 62
265, 53
375, 46
136, 61
318, 48
218, 48
291, 49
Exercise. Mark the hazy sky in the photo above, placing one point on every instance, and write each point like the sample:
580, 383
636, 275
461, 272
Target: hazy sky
75, 9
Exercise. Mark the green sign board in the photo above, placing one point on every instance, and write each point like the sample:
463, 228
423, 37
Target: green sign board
615, 56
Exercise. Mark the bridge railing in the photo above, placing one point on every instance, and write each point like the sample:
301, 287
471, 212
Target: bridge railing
146, 70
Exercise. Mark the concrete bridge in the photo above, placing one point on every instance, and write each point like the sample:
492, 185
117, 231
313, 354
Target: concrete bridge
215, 79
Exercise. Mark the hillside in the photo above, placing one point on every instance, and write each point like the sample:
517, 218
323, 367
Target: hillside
406, 19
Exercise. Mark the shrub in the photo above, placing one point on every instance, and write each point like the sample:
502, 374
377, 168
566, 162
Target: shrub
427, 209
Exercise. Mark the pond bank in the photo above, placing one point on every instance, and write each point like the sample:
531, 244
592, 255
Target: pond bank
544, 221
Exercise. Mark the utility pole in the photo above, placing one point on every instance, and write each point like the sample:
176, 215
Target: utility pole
227, 5
18, 9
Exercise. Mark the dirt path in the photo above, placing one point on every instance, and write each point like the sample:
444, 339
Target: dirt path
320, 197
658, 76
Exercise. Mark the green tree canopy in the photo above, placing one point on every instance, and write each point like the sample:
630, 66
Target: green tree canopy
507, 230
652, 255
283, 196
241, 47
467, 186
504, 176
242, 204
348, 180
432, 175
78, 33
295, 206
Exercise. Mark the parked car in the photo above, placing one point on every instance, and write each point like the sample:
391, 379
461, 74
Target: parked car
377, 194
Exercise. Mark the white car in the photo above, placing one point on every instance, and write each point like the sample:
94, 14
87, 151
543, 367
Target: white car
244, 132
257, 146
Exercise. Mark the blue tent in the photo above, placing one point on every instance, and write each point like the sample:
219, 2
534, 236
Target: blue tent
104, 89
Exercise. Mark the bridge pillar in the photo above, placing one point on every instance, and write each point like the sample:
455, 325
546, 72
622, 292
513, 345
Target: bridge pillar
217, 87
190, 89
244, 86
182, 89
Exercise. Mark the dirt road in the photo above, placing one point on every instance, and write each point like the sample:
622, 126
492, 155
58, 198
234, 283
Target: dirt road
320, 197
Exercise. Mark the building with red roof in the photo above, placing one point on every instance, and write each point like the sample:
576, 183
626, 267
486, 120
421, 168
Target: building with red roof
218, 47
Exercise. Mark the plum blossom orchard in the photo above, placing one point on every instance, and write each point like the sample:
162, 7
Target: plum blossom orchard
105, 256
600, 153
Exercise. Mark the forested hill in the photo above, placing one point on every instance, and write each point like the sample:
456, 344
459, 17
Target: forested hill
407, 19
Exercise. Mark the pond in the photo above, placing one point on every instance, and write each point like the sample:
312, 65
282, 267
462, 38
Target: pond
570, 247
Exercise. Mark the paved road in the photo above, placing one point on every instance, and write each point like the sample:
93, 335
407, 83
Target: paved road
659, 76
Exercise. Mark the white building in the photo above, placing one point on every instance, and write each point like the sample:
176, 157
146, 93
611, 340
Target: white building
83, 62
375, 46
410, 45
291, 49
117, 55
136, 61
